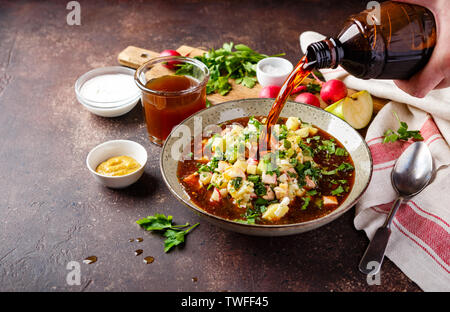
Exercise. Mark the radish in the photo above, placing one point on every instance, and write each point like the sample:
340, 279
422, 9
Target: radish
308, 98
215, 196
170, 64
355, 109
269, 92
332, 91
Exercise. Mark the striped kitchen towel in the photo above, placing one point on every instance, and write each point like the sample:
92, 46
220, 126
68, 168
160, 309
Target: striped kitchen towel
420, 241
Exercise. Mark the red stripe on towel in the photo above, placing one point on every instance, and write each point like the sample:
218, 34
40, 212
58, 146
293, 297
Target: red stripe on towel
433, 235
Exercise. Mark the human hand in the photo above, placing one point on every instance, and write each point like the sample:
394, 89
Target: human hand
436, 73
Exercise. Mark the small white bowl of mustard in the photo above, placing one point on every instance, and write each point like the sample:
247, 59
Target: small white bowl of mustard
117, 163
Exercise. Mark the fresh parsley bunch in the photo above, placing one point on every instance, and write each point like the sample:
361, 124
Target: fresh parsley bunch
402, 133
225, 63
175, 234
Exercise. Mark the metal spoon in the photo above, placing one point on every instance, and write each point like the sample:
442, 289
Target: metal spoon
411, 174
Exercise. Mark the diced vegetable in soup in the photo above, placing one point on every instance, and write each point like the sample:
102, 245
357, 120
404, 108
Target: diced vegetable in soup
303, 175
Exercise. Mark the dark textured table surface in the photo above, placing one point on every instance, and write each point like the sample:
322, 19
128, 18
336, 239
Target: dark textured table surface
53, 212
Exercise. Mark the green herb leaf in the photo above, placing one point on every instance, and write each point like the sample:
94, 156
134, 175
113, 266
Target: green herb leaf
156, 223
254, 178
236, 183
175, 237
249, 82
174, 233
340, 152
402, 133
287, 144
306, 203
338, 190
329, 146
315, 138
313, 87
253, 121
224, 63
342, 167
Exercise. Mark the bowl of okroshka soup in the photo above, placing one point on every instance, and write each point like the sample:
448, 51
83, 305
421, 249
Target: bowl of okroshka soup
313, 168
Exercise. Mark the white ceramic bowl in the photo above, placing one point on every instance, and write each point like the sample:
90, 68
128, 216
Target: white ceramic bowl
266, 77
217, 114
110, 109
113, 148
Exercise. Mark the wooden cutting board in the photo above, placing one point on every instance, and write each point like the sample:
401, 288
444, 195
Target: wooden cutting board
134, 57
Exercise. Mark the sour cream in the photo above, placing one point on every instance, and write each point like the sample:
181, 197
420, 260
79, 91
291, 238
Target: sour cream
109, 88
273, 70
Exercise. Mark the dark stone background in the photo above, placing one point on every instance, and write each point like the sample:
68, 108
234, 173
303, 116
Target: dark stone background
51, 209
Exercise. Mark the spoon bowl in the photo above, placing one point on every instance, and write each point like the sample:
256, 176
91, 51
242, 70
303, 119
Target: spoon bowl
412, 172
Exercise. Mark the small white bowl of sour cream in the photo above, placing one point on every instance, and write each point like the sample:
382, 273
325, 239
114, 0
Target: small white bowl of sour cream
273, 71
108, 91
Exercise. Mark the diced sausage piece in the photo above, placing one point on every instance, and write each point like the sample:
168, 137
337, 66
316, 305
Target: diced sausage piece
292, 170
329, 201
310, 184
269, 178
270, 195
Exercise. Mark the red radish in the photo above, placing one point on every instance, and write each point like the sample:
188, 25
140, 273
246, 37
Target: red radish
308, 98
252, 161
299, 89
171, 64
215, 196
269, 92
333, 91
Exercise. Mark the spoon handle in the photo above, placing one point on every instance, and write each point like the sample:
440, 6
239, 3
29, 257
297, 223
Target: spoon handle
393, 211
373, 257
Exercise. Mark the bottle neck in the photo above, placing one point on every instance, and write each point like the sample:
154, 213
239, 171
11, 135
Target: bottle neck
324, 54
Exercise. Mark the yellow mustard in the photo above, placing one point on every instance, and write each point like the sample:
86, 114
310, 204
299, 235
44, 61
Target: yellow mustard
118, 166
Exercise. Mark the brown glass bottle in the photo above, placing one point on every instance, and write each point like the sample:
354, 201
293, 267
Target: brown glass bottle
394, 47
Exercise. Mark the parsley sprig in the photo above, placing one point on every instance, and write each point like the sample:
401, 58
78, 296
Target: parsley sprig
175, 234
231, 61
402, 133
313, 87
